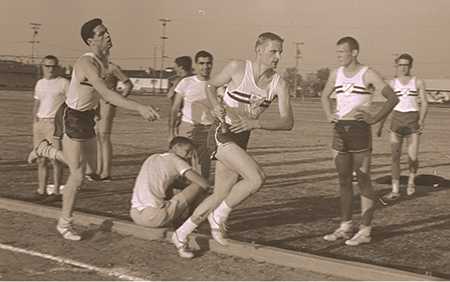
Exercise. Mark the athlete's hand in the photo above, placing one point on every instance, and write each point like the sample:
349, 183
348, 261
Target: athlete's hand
219, 112
148, 112
332, 118
362, 115
244, 125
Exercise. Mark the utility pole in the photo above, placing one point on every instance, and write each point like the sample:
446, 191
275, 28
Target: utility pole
164, 23
35, 27
298, 56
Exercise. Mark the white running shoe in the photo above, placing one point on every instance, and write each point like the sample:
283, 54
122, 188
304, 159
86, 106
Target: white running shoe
340, 233
218, 230
360, 238
181, 246
410, 189
67, 232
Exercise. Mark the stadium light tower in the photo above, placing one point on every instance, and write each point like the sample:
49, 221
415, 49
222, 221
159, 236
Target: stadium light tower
298, 56
35, 27
164, 23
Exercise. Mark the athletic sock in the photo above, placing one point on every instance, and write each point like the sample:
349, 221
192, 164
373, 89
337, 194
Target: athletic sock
222, 212
366, 230
65, 221
346, 225
411, 178
396, 186
185, 229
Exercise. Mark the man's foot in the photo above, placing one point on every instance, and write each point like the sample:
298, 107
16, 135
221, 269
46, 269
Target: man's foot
217, 230
181, 246
105, 179
360, 238
392, 197
410, 189
92, 177
340, 233
67, 232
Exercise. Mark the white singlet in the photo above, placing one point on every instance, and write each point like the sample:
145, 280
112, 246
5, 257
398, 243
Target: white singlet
407, 94
248, 99
81, 95
351, 94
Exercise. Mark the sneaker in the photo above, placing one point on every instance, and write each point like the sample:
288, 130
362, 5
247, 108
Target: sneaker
392, 196
106, 179
218, 230
359, 238
182, 247
38, 151
92, 177
68, 233
52, 190
410, 189
340, 233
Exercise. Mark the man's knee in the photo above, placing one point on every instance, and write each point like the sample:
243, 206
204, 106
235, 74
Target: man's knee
77, 178
257, 181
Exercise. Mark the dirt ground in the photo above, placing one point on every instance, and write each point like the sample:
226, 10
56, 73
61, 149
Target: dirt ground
150, 260
299, 202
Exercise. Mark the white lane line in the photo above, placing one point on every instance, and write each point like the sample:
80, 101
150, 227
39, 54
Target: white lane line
101, 270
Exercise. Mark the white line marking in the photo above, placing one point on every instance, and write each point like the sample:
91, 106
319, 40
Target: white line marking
101, 270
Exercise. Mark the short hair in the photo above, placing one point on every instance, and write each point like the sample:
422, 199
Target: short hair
87, 29
352, 42
405, 56
180, 140
203, 54
185, 62
51, 57
263, 37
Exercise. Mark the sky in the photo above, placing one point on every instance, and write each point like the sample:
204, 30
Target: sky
228, 29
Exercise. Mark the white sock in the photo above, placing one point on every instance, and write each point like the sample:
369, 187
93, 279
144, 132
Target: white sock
411, 178
395, 185
365, 229
222, 212
346, 225
185, 229
64, 221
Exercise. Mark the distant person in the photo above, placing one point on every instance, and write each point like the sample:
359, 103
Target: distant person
196, 119
49, 94
252, 86
152, 203
407, 123
86, 88
104, 122
352, 139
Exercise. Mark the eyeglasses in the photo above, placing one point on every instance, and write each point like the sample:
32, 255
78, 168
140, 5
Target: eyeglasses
50, 66
403, 65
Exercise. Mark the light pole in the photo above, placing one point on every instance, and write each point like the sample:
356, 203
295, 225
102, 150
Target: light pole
163, 56
35, 27
298, 56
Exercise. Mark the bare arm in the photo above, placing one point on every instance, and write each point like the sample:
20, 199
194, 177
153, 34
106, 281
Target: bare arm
196, 178
35, 109
391, 99
122, 77
90, 71
174, 110
421, 89
325, 97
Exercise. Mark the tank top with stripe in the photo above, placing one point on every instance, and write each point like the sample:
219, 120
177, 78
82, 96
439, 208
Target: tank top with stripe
351, 94
407, 95
81, 95
248, 100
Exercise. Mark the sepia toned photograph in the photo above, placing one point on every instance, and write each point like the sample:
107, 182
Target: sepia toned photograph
207, 140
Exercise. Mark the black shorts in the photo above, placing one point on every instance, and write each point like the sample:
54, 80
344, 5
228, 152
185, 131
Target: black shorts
405, 123
79, 125
218, 135
59, 122
352, 136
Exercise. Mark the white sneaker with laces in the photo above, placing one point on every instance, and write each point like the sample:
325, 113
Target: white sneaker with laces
340, 233
217, 230
67, 232
360, 238
181, 246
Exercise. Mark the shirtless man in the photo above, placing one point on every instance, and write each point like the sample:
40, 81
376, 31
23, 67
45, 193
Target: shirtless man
251, 88
86, 88
352, 140
407, 122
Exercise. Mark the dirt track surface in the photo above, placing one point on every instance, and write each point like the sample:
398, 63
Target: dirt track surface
151, 260
299, 202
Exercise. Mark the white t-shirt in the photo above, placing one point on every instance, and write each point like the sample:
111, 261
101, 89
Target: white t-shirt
154, 178
51, 93
196, 109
